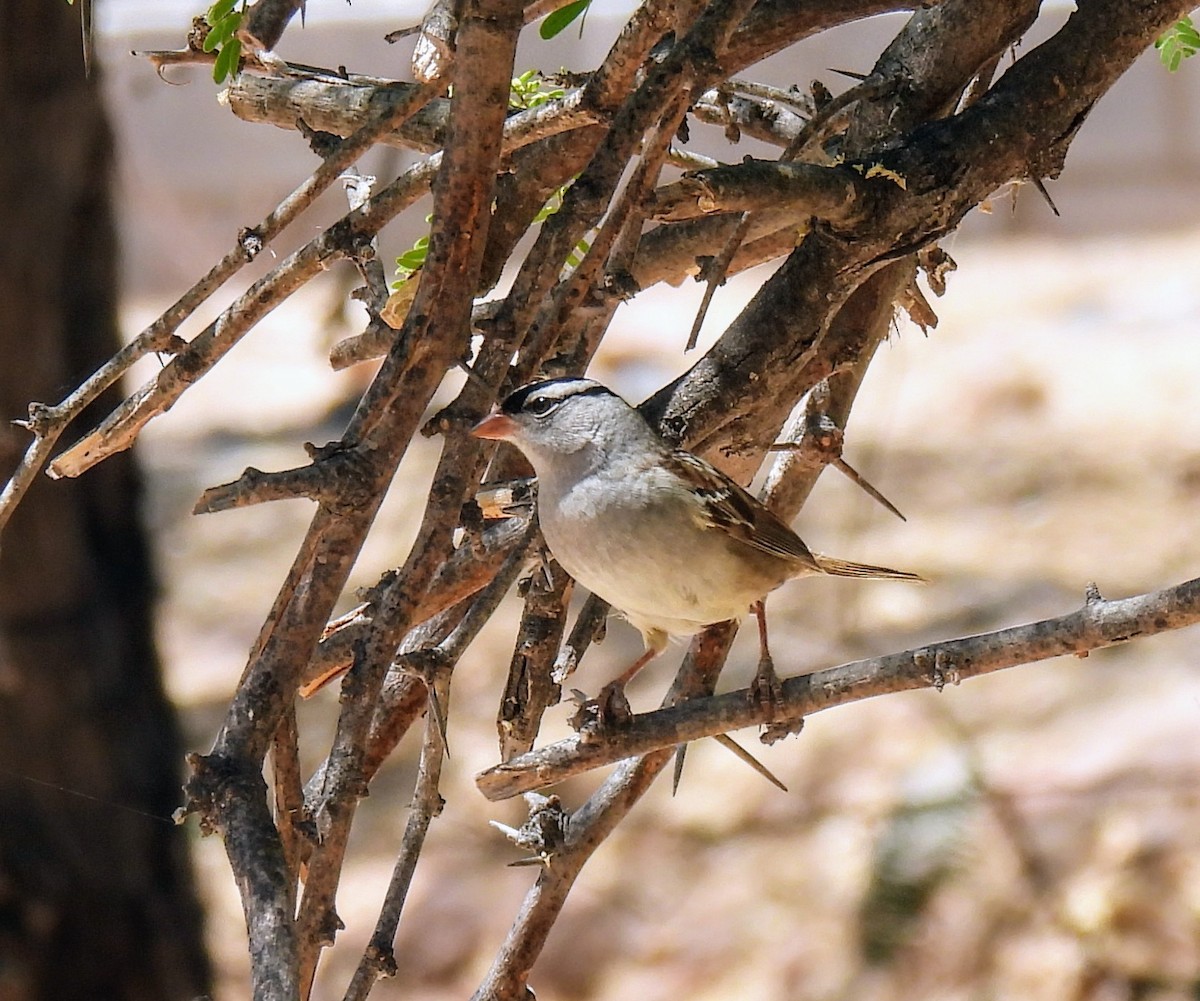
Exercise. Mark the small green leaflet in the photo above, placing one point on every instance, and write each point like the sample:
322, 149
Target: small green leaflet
530, 90
411, 261
1179, 42
227, 60
556, 21
223, 21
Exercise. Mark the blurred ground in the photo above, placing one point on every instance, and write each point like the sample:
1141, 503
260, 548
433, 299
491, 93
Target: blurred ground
1032, 834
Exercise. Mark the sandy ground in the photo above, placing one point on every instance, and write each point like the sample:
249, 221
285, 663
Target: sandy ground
1029, 835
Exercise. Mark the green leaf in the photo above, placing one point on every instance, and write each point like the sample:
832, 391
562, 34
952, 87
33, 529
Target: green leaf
227, 60
218, 10
411, 260
222, 32
558, 20
1179, 42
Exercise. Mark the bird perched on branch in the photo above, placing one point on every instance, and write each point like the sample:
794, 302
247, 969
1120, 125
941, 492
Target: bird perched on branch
663, 536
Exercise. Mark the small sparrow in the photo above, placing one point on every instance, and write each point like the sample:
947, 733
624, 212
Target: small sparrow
664, 537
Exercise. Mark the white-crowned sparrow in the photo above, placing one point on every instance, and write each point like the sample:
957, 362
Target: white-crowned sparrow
664, 537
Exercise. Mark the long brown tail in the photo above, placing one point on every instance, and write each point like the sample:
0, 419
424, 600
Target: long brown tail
847, 568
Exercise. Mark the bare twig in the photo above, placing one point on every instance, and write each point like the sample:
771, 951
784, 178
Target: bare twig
839, 367
587, 828
468, 570
827, 114
160, 336
290, 817
837, 195
766, 120
120, 429
531, 686
379, 959
47, 425
791, 96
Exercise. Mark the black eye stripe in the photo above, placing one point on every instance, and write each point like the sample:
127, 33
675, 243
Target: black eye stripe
540, 398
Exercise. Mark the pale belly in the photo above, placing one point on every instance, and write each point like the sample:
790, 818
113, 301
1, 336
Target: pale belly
644, 568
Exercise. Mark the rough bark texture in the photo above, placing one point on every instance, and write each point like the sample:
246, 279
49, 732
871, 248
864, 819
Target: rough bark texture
96, 898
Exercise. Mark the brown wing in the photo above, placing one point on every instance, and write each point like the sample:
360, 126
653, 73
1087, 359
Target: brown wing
726, 505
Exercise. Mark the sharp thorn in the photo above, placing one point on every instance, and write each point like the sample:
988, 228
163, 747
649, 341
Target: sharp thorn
858, 478
732, 745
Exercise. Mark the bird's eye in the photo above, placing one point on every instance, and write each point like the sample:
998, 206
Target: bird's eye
540, 406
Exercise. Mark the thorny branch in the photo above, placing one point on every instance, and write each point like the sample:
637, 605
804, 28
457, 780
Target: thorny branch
1099, 623
882, 172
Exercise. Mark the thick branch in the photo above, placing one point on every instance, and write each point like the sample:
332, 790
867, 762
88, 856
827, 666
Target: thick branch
339, 105
1022, 126
438, 329
231, 800
835, 194
329, 103
1100, 623
268, 19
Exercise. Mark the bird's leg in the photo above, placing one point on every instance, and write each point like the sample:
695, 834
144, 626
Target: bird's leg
613, 705
631, 671
766, 687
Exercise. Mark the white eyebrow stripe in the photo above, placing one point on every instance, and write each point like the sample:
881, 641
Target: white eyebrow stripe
553, 391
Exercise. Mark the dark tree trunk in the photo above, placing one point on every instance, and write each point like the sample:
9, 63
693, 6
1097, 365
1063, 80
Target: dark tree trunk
96, 895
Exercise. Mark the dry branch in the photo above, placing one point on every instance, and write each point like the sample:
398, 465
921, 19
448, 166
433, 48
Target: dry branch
335, 104
948, 166
120, 429
837, 195
1099, 623
338, 105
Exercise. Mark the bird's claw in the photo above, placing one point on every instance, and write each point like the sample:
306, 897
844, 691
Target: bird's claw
767, 690
608, 710
613, 705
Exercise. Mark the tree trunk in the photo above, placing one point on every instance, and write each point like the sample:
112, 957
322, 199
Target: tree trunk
96, 894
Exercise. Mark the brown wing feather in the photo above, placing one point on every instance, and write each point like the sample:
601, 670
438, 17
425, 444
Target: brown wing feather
739, 512
848, 568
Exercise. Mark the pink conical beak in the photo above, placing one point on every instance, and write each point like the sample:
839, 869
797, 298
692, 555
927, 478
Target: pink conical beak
495, 426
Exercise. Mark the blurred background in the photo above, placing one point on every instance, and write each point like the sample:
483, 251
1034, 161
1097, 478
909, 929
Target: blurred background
1033, 834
